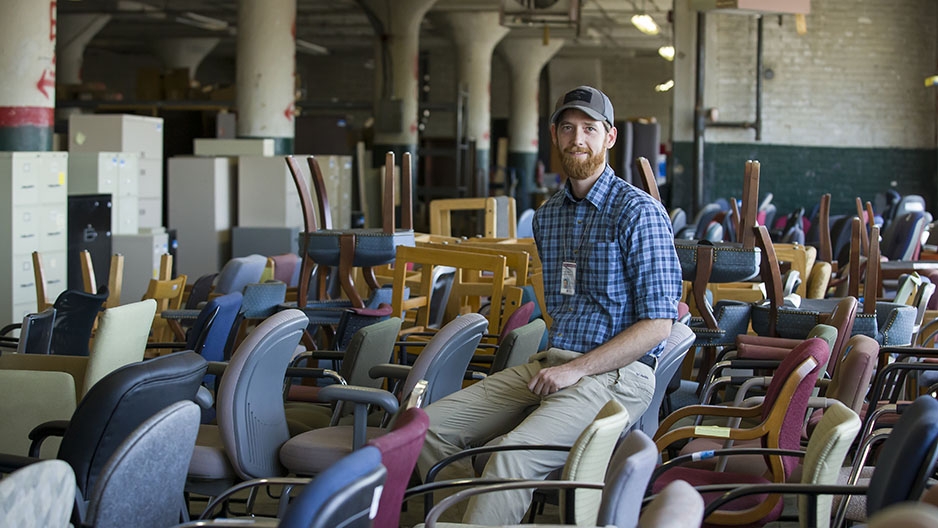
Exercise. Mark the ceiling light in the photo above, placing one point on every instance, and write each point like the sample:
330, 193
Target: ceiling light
205, 22
665, 86
645, 24
309, 47
666, 52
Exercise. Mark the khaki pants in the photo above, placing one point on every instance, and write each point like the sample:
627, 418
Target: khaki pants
502, 405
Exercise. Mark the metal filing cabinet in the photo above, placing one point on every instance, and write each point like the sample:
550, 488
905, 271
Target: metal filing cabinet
201, 207
113, 173
33, 198
89, 228
127, 133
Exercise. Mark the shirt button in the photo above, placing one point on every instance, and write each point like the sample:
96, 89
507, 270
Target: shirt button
569, 309
579, 221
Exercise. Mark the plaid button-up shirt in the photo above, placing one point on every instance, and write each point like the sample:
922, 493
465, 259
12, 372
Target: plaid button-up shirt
626, 267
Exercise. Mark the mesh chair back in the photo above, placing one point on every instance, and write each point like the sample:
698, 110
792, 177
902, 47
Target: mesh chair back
120, 402
142, 483
75, 312
370, 346
249, 403
341, 496
217, 331
40, 494
262, 299
200, 290
36, 332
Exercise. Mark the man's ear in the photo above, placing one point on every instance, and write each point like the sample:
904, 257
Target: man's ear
553, 134
611, 137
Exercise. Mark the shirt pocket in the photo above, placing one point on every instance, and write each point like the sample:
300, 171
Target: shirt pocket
604, 276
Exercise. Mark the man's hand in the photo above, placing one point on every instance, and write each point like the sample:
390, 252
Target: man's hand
551, 379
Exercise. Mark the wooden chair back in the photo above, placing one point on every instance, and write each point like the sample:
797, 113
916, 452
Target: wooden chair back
115, 280
646, 177
168, 295
426, 258
441, 215
42, 298
88, 282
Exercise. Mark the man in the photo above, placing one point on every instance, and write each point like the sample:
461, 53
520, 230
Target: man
612, 282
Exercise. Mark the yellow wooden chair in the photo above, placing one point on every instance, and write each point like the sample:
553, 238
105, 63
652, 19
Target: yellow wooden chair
168, 296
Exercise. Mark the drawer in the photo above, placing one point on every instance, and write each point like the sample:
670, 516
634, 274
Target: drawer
26, 169
125, 218
24, 281
53, 235
26, 228
53, 179
150, 212
150, 181
55, 266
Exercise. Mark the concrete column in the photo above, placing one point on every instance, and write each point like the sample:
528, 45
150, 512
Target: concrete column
74, 34
27, 74
266, 71
475, 34
184, 52
396, 75
526, 57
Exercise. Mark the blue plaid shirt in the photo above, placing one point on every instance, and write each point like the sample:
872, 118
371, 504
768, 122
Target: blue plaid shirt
626, 267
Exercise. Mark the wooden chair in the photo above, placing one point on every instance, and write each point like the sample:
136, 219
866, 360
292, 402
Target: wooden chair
168, 296
441, 215
115, 277
646, 178
426, 258
42, 297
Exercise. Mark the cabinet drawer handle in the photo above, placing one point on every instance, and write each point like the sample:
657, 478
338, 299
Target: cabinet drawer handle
54, 233
28, 187
27, 236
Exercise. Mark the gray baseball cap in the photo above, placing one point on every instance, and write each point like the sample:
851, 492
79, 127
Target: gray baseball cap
588, 100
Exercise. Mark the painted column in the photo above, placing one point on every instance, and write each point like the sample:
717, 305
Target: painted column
266, 71
396, 83
74, 34
526, 57
184, 52
27, 74
475, 34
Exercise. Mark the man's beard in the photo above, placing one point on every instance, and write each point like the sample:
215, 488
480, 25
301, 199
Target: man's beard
577, 169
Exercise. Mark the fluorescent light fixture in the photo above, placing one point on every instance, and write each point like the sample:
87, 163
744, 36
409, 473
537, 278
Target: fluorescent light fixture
309, 47
666, 52
665, 86
209, 23
645, 24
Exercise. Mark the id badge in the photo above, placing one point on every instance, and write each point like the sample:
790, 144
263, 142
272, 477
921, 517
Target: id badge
568, 279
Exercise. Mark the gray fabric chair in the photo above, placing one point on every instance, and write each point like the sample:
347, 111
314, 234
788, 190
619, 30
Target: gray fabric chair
38, 496
370, 346
677, 506
679, 342
442, 364
142, 483
249, 405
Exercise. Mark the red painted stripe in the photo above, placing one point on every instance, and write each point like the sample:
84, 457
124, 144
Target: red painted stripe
14, 116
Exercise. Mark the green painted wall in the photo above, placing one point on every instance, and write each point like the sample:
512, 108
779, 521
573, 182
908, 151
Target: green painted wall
798, 175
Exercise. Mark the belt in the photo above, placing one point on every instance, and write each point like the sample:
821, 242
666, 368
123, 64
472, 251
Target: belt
650, 360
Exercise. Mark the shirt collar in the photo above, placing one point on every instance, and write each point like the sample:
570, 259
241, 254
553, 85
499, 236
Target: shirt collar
597, 192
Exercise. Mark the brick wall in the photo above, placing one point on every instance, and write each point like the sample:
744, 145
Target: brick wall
846, 110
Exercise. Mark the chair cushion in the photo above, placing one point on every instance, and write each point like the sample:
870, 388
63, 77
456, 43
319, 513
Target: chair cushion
373, 246
209, 460
731, 262
701, 477
312, 452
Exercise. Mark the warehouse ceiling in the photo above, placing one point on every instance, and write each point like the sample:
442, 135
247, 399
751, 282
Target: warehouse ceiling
341, 26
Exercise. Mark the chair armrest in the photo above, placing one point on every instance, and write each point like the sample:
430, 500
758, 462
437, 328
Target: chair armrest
9, 328
209, 511
204, 398
361, 395
180, 315
10, 463
216, 368
713, 453
43, 431
389, 370
811, 490
434, 513
429, 485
